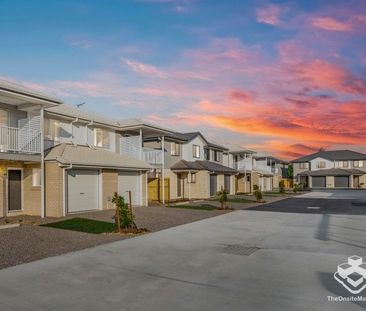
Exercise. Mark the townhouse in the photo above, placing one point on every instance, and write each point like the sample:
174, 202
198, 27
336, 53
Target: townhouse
331, 169
190, 167
257, 169
56, 159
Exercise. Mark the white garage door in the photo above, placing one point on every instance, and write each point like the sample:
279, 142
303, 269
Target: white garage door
82, 190
129, 181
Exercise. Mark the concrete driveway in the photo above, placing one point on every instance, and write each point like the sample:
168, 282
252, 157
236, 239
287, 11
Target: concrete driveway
353, 194
204, 265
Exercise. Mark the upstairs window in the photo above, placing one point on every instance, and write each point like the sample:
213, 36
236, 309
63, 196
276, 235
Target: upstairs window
206, 153
217, 156
52, 129
358, 163
174, 149
4, 116
320, 164
196, 151
101, 138
343, 164
303, 165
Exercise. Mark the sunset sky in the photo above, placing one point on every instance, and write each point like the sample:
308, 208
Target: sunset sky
282, 77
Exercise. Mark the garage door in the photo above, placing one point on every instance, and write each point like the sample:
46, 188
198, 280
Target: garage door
227, 183
82, 190
213, 184
318, 181
129, 181
341, 181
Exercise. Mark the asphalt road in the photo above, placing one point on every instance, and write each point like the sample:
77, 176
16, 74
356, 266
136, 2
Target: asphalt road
244, 260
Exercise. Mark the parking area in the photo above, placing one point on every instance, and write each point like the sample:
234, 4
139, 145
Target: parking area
352, 194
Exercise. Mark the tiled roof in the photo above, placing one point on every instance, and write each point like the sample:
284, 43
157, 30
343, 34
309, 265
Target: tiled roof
333, 172
201, 166
333, 155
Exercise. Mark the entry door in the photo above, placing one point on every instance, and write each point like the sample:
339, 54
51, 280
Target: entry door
14, 190
356, 181
213, 184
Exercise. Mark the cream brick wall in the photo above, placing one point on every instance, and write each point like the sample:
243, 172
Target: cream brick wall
255, 179
242, 187
329, 181
201, 188
54, 189
220, 181
144, 185
172, 183
109, 187
276, 181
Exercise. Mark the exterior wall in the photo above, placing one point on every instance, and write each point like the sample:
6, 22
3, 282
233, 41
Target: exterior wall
363, 181
313, 164
201, 188
109, 187
144, 186
329, 181
54, 189
170, 160
243, 186
187, 149
298, 170
254, 180
276, 181
31, 195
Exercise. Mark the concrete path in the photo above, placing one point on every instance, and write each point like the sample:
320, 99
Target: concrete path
335, 194
200, 266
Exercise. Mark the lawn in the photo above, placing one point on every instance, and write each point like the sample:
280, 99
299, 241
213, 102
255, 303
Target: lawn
235, 200
204, 207
83, 225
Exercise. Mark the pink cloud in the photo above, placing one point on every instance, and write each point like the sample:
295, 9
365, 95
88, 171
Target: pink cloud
329, 23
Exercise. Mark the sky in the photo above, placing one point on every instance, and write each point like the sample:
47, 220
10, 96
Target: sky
280, 77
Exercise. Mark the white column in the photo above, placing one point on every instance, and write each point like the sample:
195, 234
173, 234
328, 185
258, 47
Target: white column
140, 141
42, 164
245, 180
189, 184
162, 168
147, 190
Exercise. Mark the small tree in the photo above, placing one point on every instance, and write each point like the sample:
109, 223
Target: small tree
222, 194
281, 186
290, 171
124, 217
258, 193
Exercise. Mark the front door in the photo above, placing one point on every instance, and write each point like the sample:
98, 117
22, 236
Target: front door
213, 184
356, 181
14, 190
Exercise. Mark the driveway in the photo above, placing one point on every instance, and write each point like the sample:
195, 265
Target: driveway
335, 194
244, 260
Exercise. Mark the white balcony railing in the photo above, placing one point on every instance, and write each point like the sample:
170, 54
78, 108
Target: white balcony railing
244, 165
19, 140
153, 156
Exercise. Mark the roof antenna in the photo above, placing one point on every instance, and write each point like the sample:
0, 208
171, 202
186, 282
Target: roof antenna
79, 105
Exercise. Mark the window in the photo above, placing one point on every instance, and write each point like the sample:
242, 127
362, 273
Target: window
341, 163
101, 138
36, 177
193, 178
52, 129
196, 151
4, 115
303, 165
174, 149
358, 163
248, 178
206, 153
217, 156
320, 164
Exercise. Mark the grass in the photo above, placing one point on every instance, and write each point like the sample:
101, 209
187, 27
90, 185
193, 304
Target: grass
204, 207
83, 225
235, 200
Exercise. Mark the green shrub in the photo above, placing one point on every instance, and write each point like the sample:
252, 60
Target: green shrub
222, 195
297, 187
281, 186
124, 217
258, 194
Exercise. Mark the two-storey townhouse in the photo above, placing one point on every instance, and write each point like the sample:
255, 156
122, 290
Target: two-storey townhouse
83, 164
21, 149
331, 169
193, 167
257, 169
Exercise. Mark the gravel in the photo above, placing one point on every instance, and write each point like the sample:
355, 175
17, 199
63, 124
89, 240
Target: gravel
30, 242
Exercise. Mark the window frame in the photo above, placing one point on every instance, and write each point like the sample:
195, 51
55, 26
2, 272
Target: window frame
174, 149
52, 129
196, 154
303, 165
358, 163
105, 136
36, 177
193, 178
321, 164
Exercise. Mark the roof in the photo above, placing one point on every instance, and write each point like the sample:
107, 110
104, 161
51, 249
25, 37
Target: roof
79, 155
333, 155
274, 159
15, 88
74, 112
215, 146
199, 165
333, 172
242, 151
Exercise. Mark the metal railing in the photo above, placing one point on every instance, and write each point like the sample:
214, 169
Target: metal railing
19, 140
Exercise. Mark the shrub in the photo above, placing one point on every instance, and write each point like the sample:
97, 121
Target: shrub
297, 187
124, 217
222, 195
281, 186
258, 194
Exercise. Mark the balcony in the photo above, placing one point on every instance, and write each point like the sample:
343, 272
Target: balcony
152, 156
130, 146
244, 165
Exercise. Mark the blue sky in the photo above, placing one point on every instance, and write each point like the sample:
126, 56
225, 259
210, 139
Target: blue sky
257, 74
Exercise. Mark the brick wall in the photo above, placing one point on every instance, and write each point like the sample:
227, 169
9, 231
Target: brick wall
53, 189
